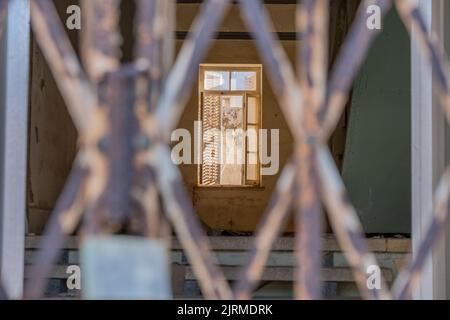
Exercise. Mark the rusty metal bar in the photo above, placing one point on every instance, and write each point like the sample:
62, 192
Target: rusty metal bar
179, 211
154, 19
154, 48
100, 39
347, 65
63, 221
439, 63
346, 225
410, 13
101, 53
118, 93
179, 82
312, 21
121, 159
70, 78
270, 226
408, 279
282, 76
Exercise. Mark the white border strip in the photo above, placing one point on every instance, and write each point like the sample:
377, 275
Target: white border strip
428, 156
13, 154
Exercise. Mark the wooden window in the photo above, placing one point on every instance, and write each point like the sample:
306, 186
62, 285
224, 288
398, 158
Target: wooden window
230, 112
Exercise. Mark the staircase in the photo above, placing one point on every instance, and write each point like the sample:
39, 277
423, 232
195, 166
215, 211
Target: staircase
231, 252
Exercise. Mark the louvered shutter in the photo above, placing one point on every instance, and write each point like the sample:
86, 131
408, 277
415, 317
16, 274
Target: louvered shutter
210, 140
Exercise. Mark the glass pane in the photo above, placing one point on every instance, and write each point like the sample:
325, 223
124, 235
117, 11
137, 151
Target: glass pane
252, 112
217, 80
233, 142
252, 139
232, 102
252, 158
252, 172
243, 81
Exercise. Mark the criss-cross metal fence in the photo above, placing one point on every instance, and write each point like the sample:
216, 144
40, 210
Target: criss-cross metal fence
124, 114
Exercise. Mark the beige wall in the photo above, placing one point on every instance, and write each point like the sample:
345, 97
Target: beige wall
237, 209
53, 137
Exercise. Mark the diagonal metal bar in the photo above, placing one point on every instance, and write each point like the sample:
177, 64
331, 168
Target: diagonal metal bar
431, 49
253, 13
70, 78
151, 25
408, 279
179, 82
347, 65
312, 22
414, 21
179, 211
270, 226
281, 73
63, 221
346, 225
100, 39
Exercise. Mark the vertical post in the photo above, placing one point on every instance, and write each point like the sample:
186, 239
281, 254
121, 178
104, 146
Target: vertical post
14, 76
445, 29
428, 155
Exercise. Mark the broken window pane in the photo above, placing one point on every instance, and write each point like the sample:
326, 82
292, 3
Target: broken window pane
217, 80
243, 81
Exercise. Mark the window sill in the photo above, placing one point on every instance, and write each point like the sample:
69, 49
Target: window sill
230, 188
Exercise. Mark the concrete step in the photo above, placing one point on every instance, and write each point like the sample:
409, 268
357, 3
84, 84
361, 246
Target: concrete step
232, 253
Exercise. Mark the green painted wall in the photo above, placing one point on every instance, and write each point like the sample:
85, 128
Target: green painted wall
377, 166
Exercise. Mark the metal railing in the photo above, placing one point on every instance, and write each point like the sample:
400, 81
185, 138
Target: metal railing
123, 169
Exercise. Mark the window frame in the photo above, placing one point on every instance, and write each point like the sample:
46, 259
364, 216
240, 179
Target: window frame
257, 68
